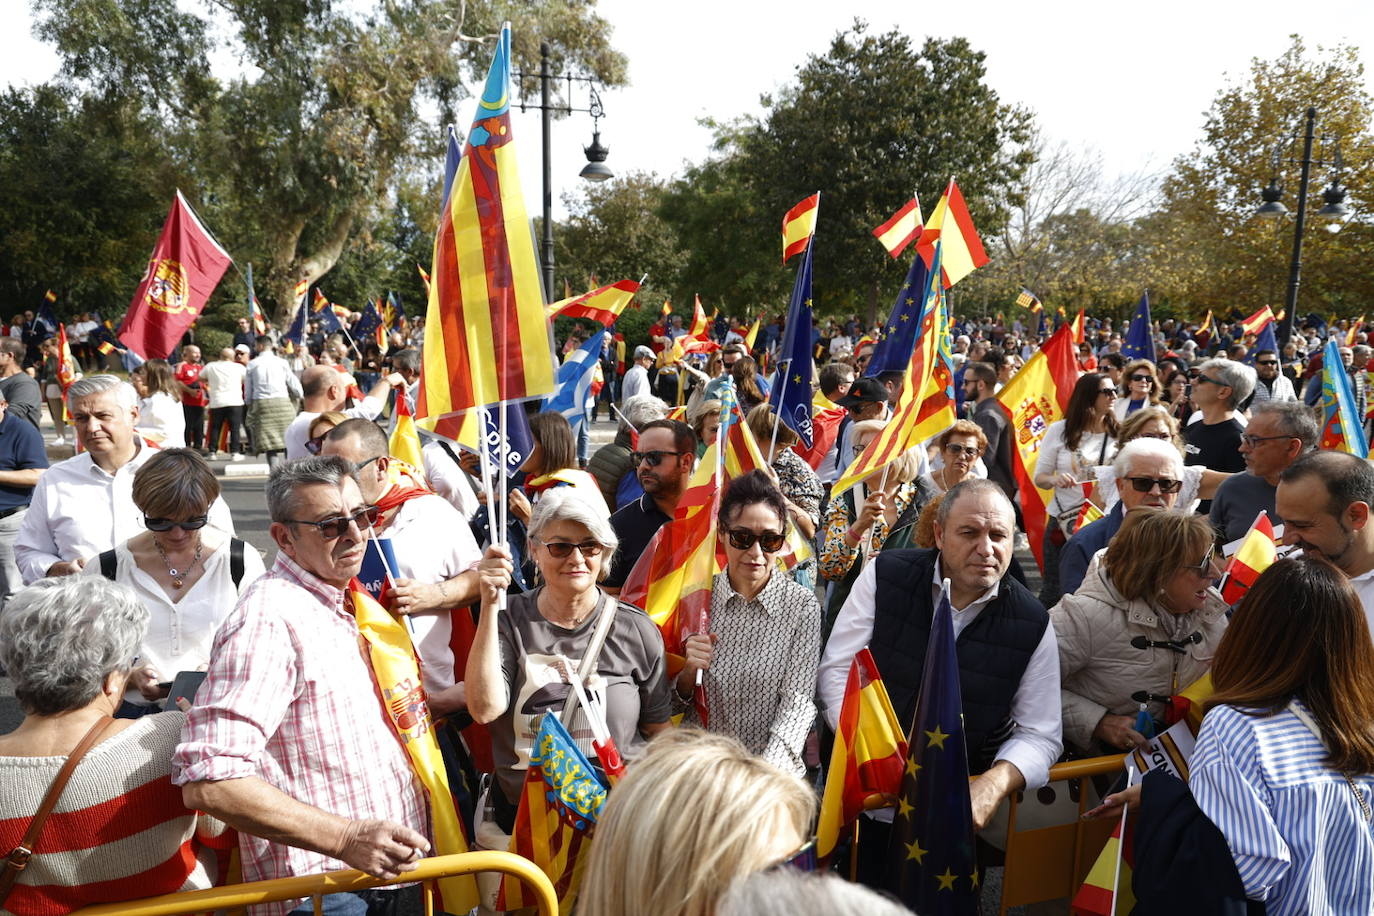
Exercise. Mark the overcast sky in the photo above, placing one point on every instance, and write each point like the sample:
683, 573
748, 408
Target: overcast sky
1133, 85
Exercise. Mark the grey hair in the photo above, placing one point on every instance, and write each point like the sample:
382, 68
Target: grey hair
61, 637
790, 892
1145, 447
974, 486
643, 408
1238, 376
99, 384
408, 360
282, 485
568, 504
1294, 418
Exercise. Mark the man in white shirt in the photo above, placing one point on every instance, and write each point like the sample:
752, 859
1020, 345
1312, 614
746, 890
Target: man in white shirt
268, 389
325, 389
1008, 657
436, 555
1324, 500
85, 505
636, 381
223, 381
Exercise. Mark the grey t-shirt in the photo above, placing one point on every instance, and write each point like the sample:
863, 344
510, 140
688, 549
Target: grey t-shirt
25, 399
631, 664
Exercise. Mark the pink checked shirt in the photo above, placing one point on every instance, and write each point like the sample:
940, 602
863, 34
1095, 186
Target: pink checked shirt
289, 698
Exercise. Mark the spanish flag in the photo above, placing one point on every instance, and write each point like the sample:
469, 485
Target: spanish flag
951, 223
1258, 321
752, 334
868, 757
699, 322
603, 304
1096, 896
1079, 330
1256, 554
902, 228
404, 442
798, 225
1352, 336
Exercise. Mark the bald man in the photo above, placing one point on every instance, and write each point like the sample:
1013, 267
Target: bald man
326, 388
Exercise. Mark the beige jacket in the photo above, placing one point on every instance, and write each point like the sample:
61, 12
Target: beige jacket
1099, 669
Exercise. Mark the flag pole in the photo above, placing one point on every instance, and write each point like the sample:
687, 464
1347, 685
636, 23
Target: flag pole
1121, 841
777, 414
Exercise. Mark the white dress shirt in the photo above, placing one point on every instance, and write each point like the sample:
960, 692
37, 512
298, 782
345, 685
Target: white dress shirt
449, 480
1037, 734
79, 510
270, 377
298, 431
161, 419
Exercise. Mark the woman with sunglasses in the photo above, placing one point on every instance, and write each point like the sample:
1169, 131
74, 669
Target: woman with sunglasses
1069, 454
758, 663
961, 446
1143, 626
320, 427
1155, 422
187, 574
1142, 389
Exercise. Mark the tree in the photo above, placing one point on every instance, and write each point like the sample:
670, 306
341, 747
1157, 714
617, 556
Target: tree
290, 159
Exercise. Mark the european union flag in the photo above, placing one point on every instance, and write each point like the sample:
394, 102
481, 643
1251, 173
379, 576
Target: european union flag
791, 394
294, 338
368, 323
932, 866
897, 339
1265, 340
1140, 338
329, 321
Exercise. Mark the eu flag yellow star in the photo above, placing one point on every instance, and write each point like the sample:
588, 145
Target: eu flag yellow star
910, 301
796, 379
937, 738
974, 879
906, 317
947, 880
914, 851
904, 808
912, 767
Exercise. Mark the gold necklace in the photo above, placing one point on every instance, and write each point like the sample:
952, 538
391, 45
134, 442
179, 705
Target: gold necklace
178, 576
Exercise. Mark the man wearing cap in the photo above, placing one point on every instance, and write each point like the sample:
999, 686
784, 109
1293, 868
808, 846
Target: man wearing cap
866, 400
636, 379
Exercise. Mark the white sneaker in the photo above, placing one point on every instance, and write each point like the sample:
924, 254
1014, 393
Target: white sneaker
237, 456
59, 441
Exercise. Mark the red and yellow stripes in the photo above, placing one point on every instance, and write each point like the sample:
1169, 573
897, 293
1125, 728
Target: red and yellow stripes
603, 304
798, 225
1256, 554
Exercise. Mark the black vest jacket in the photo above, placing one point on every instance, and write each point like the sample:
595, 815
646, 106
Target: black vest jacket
993, 650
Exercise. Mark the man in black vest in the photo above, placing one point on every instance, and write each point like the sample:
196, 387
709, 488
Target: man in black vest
1008, 657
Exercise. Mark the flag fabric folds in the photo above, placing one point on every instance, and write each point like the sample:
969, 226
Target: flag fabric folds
798, 225
790, 396
897, 338
1264, 341
1258, 321
486, 337
869, 753
1027, 300
1035, 397
1095, 897
369, 323
1140, 337
554, 823
257, 319
902, 228
575, 379
404, 442
699, 323
66, 365
962, 249
1341, 427
1080, 333
1353, 335
753, 333
603, 304
184, 269
931, 862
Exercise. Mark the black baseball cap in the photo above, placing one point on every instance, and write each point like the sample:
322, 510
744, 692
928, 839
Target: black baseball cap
864, 390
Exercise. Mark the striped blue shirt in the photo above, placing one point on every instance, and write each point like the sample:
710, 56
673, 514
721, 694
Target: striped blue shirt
1296, 831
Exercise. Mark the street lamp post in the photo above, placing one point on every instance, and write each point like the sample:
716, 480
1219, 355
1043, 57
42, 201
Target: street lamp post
595, 169
1273, 208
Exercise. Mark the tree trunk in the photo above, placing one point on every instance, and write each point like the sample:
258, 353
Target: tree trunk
873, 304
290, 268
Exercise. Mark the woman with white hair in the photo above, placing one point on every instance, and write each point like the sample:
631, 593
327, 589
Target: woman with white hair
121, 831
524, 656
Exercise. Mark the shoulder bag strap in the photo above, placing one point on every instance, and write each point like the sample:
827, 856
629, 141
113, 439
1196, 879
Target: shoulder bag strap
1306, 719
18, 858
109, 565
236, 548
589, 658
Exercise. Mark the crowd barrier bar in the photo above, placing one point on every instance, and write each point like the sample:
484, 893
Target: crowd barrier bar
1049, 863
236, 896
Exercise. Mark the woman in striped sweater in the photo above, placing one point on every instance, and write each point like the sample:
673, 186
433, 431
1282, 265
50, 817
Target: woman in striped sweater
119, 830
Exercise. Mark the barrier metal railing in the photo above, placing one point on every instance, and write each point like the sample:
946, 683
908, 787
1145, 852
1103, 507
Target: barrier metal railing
427, 871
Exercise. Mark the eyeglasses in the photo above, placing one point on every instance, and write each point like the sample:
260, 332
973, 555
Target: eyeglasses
1267, 362
1211, 381
1250, 441
1110, 391
743, 539
1146, 484
358, 466
337, 526
314, 445
1205, 567
1142, 378
561, 550
653, 458
964, 450
803, 858
194, 523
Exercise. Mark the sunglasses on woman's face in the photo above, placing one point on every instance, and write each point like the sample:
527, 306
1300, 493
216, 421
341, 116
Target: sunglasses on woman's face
314, 445
166, 524
1141, 378
743, 539
561, 550
1146, 484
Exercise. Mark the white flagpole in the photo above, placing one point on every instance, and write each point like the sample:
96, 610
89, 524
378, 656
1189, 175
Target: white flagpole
1121, 840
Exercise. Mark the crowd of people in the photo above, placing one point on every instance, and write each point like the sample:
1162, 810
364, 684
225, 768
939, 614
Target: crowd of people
216, 697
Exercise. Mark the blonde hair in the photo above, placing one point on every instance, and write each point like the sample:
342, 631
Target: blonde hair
332, 417
696, 812
1153, 544
760, 420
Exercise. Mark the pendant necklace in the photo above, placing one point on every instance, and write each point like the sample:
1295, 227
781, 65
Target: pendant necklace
178, 577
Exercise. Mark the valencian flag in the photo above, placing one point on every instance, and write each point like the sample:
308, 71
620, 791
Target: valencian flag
1035, 397
603, 304
185, 267
486, 337
798, 225
1140, 336
869, 753
396, 672
576, 378
1027, 300
925, 406
294, 338
393, 314
951, 223
1255, 554
931, 863
897, 339
902, 228
257, 319
790, 397
1341, 428
554, 823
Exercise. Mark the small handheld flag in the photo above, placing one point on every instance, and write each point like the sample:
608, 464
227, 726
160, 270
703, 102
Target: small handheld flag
1140, 337
902, 228
798, 225
791, 394
1027, 300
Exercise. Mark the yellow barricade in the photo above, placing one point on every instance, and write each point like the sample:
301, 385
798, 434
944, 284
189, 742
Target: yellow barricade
1050, 862
236, 896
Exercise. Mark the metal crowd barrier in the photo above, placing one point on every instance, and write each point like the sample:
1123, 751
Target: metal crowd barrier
236, 896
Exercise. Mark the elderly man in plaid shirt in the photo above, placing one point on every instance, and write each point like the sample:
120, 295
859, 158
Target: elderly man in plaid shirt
288, 742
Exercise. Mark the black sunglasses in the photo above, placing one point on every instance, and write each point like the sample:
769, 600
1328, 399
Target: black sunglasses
194, 523
653, 458
1146, 484
314, 445
1268, 362
561, 550
1142, 378
1111, 391
743, 539
337, 526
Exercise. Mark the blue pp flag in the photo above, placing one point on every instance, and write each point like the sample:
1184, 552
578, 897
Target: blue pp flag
897, 339
1140, 339
575, 377
931, 864
791, 394
379, 563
